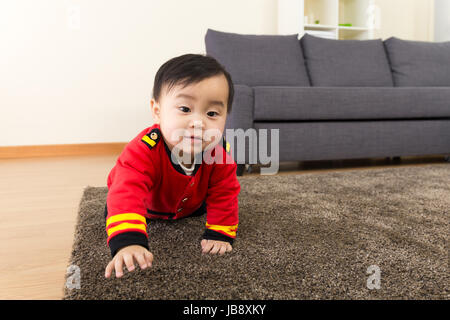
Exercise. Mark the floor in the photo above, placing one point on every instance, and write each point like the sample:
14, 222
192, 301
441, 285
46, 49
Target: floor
39, 200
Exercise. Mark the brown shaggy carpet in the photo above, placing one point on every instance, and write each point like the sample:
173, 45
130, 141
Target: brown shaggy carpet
304, 236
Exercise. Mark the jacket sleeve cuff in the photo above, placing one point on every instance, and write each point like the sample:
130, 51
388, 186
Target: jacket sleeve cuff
127, 239
214, 235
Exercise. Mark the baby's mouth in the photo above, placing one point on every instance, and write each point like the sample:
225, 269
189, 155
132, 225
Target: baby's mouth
194, 138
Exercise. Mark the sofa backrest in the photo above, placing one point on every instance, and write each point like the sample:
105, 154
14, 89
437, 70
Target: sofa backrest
346, 63
283, 60
419, 63
259, 60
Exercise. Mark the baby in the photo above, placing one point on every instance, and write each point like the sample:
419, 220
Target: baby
179, 167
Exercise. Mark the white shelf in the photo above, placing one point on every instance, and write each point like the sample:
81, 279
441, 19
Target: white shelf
319, 26
353, 28
323, 27
330, 13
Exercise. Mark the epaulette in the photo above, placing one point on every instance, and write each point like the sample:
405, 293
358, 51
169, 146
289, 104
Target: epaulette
226, 145
152, 138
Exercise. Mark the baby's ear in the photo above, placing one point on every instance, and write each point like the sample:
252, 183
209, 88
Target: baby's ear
156, 110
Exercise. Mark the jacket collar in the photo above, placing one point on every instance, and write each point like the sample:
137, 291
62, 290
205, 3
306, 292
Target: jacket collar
177, 166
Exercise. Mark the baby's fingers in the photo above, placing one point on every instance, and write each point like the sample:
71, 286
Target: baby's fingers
223, 249
109, 269
149, 258
118, 264
216, 248
129, 261
207, 245
141, 260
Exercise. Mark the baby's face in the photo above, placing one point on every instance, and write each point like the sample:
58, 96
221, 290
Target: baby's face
193, 118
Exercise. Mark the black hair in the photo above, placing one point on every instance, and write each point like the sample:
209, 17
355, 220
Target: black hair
188, 69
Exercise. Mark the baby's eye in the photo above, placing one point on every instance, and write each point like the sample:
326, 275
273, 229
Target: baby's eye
184, 109
212, 113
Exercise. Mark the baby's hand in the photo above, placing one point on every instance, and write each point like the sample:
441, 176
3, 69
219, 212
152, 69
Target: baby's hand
215, 246
128, 254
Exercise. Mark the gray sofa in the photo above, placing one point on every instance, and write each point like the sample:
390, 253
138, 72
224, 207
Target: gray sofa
338, 99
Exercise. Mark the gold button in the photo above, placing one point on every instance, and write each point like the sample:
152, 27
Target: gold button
180, 209
184, 200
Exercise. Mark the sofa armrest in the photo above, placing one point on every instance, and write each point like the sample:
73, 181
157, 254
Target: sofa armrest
241, 116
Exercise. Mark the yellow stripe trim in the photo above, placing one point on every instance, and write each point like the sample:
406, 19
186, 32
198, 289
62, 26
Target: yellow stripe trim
125, 217
231, 230
148, 140
124, 226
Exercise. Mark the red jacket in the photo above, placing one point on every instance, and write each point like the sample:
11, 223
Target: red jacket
145, 184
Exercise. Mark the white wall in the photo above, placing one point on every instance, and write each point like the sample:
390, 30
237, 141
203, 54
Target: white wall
290, 16
442, 20
406, 19
67, 80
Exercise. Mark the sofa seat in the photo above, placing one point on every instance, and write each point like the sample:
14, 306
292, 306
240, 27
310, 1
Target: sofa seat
327, 140
282, 103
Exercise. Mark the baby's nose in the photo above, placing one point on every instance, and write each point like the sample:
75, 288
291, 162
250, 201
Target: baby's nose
197, 124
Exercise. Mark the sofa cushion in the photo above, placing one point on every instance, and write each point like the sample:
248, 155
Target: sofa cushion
419, 63
243, 117
258, 60
346, 63
350, 103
